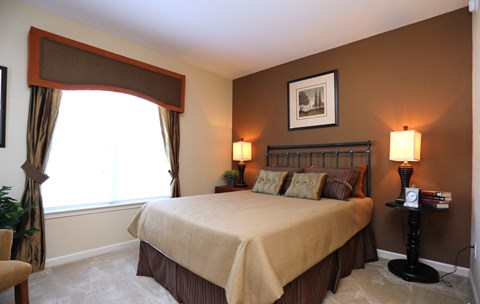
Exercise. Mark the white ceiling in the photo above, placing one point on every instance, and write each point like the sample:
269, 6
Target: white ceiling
235, 38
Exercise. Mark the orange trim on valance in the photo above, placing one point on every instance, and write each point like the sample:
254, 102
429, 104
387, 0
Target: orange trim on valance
61, 63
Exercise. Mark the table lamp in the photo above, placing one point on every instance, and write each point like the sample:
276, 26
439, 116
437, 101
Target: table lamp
242, 151
405, 146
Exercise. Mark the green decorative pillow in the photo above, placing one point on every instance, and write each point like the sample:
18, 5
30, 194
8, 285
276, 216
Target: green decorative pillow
307, 185
288, 180
269, 182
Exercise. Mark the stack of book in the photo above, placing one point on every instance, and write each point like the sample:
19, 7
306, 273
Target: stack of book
436, 199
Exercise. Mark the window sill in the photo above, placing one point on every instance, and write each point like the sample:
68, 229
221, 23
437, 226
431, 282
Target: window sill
65, 212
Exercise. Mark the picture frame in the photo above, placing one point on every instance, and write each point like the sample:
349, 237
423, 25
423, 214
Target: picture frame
3, 104
313, 101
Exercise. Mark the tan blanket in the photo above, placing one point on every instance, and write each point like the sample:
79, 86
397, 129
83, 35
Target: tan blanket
251, 244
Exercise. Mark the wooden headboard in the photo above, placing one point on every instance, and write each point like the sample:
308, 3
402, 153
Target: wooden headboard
335, 155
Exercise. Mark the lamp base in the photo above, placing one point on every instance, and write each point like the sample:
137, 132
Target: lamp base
405, 171
241, 170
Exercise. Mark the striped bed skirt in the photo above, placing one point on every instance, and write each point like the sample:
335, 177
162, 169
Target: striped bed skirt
310, 287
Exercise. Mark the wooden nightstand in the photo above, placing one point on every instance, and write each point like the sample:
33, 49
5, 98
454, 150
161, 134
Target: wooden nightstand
411, 269
220, 189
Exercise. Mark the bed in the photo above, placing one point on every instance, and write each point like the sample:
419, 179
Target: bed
278, 243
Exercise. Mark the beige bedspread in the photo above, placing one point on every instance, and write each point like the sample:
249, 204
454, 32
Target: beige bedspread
251, 244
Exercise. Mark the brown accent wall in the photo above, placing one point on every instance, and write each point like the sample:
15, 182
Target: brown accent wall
419, 75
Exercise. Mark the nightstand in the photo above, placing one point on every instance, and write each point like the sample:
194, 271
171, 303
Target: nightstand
410, 269
220, 189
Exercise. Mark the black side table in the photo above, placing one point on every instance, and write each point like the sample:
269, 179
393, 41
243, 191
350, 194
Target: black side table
410, 269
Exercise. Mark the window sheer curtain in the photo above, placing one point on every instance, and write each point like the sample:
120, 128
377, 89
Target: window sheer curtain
43, 112
170, 124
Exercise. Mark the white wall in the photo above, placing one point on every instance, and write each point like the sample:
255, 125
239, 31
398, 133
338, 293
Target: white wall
475, 263
206, 125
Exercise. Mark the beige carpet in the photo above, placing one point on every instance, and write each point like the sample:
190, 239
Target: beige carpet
111, 278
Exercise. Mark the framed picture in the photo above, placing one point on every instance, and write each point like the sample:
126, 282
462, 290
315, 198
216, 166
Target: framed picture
3, 104
312, 101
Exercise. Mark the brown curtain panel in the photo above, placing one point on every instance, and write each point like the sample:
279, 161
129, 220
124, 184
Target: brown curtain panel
44, 106
170, 124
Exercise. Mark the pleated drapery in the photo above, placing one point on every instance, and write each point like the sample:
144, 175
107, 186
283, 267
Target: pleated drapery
43, 112
170, 124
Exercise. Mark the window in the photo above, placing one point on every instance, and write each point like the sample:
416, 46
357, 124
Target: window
107, 148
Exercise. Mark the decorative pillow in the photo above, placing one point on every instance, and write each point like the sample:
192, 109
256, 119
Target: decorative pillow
269, 182
288, 180
339, 182
307, 185
358, 187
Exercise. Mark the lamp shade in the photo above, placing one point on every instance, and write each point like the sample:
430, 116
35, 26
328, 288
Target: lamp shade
242, 150
405, 145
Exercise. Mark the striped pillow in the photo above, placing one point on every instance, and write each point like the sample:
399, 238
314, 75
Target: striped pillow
339, 183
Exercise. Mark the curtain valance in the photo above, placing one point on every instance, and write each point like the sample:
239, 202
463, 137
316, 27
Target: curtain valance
61, 63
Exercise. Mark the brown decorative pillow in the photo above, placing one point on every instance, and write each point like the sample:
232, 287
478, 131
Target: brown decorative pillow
339, 183
288, 180
307, 185
270, 182
358, 187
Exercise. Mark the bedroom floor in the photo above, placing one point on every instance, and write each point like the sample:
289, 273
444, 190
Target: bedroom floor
111, 278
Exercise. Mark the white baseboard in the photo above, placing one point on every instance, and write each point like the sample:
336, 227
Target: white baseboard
462, 271
90, 253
